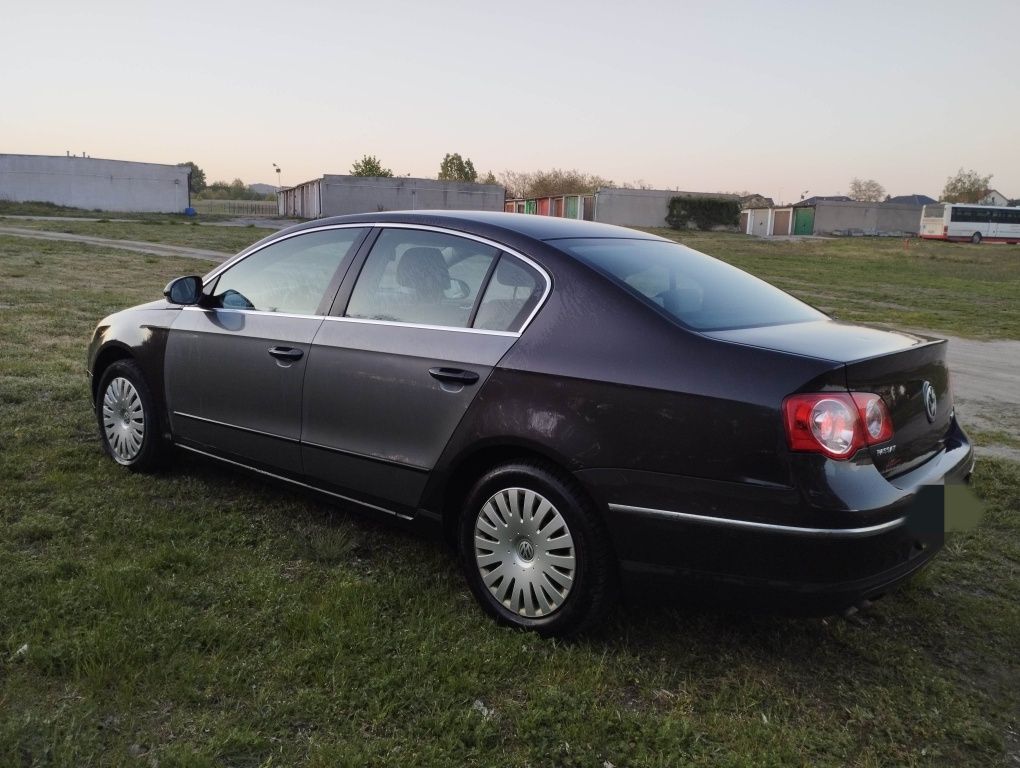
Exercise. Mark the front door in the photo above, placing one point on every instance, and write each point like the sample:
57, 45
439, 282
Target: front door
235, 364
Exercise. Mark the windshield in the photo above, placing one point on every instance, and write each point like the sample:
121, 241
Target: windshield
701, 292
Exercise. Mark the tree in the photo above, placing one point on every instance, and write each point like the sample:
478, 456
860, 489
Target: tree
369, 165
553, 182
966, 187
866, 190
456, 168
490, 178
196, 182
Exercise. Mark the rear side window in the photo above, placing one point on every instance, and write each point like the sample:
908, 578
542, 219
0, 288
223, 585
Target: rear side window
420, 277
511, 296
703, 293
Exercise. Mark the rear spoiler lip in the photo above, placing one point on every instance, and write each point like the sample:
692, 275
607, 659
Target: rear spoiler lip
926, 341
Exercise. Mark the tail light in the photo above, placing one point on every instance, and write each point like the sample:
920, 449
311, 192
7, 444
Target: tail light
836, 424
945, 230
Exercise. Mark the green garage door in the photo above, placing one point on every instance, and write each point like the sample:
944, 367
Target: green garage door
804, 221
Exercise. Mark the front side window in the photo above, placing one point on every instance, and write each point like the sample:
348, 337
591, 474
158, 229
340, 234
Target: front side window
421, 277
703, 293
290, 276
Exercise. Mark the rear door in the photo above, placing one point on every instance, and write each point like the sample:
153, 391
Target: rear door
392, 372
235, 364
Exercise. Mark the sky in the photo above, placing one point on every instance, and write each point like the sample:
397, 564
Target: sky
783, 98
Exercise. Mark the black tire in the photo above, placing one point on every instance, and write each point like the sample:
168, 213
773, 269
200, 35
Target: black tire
976, 238
134, 438
590, 592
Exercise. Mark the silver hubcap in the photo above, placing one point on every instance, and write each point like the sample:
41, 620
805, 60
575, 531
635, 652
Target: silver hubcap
123, 419
524, 552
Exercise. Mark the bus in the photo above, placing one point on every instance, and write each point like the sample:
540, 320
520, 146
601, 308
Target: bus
963, 222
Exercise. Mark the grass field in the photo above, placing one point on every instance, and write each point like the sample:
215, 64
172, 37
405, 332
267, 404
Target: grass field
204, 617
960, 289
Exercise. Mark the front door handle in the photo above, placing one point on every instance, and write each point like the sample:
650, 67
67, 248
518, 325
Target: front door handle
286, 353
453, 375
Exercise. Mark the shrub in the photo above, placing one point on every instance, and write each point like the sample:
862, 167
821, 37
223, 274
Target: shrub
703, 212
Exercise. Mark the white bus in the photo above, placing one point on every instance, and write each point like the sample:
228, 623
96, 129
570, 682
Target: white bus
976, 223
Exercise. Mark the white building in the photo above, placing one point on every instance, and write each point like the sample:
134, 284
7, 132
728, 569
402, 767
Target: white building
94, 184
334, 195
994, 197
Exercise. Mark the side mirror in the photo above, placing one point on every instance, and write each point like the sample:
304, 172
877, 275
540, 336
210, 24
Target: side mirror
184, 290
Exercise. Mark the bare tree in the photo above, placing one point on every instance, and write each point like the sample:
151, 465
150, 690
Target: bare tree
866, 190
552, 182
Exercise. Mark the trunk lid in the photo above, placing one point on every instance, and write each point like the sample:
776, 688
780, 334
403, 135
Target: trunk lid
891, 364
914, 384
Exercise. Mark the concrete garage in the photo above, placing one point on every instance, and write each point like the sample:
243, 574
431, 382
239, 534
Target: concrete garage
610, 205
838, 218
334, 195
833, 217
93, 183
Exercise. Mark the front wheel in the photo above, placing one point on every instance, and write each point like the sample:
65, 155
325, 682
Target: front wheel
976, 238
535, 552
128, 420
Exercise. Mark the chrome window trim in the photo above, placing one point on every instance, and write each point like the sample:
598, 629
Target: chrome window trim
818, 533
266, 313
423, 326
275, 476
390, 225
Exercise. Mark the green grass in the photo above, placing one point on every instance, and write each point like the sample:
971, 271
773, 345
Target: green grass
36, 208
205, 617
171, 231
971, 291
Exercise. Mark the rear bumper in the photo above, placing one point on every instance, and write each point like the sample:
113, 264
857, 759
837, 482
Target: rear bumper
778, 546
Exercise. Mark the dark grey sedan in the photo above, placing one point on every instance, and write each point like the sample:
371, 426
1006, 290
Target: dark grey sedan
578, 407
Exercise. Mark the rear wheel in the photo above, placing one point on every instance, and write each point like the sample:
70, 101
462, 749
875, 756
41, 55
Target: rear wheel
535, 552
976, 238
128, 419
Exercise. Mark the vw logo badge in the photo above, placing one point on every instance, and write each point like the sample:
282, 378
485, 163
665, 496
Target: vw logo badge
931, 402
526, 550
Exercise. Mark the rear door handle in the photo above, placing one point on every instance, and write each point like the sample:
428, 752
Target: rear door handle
286, 353
453, 375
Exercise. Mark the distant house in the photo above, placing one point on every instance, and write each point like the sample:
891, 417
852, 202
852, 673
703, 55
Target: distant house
756, 201
912, 200
994, 197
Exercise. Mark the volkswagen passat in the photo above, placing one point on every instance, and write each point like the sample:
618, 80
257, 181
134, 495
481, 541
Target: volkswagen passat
578, 406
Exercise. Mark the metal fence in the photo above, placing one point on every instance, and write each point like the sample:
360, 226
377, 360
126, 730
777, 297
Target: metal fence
238, 207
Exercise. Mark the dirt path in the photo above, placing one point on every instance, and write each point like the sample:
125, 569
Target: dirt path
986, 388
156, 249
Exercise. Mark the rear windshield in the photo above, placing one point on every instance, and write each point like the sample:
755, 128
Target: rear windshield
701, 292
933, 212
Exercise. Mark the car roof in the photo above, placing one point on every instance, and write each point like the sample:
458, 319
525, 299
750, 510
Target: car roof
489, 222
